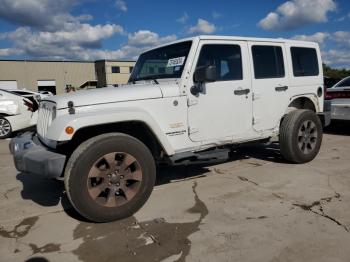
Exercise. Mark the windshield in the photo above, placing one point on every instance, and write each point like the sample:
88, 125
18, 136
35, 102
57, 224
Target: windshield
163, 62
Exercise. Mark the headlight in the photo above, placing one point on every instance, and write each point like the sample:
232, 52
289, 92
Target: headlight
9, 107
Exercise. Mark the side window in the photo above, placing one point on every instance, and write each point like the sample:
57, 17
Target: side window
305, 62
268, 62
226, 58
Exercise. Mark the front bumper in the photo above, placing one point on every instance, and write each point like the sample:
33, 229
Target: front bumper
30, 156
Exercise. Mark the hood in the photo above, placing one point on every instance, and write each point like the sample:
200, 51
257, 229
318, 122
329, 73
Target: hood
108, 95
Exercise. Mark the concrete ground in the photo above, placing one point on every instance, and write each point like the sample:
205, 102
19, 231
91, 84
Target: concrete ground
255, 207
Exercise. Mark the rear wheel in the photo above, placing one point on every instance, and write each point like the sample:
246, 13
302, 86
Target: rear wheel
300, 136
5, 128
110, 177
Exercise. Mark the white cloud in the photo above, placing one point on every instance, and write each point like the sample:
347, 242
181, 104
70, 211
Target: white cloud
296, 13
147, 38
202, 27
83, 43
339, 53
121, 5
183, 19
10, 51
319, 37
42, 14
337, 58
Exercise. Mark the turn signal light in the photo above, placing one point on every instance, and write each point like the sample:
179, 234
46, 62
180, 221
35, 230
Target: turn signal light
69, 130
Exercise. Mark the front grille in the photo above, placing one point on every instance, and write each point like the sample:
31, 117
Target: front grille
45, 116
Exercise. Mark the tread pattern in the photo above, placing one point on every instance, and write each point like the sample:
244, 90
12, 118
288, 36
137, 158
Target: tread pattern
287, 134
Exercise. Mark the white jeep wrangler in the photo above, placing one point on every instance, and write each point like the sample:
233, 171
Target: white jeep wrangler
186, 102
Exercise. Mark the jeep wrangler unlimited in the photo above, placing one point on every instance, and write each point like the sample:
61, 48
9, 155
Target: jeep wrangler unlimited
186, 102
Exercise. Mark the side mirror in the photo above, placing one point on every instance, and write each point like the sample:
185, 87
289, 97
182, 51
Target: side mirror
205, 74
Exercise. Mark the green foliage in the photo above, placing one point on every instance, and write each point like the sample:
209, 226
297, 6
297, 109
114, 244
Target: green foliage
335, 73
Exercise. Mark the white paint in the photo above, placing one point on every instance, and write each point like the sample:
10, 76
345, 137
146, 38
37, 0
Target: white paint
216, 116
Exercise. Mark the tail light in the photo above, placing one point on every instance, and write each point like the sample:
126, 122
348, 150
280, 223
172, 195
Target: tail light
29, 105
338, 94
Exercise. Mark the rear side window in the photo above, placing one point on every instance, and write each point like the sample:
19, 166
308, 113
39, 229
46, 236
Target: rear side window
226, 58
305, 62
268, 62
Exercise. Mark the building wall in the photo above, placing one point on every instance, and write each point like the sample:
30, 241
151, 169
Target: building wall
118, 78
74, 73
27, 73
100, 69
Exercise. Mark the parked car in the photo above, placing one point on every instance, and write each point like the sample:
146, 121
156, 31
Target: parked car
46, 93
330, 81
339, 94
187, 102
16, 113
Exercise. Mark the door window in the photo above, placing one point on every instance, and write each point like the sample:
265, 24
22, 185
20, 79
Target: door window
268, 62
226, 58
305, 62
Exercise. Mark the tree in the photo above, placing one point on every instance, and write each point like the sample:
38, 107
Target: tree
335, 73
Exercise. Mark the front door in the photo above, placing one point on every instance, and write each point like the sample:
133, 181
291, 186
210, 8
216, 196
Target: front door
222, 111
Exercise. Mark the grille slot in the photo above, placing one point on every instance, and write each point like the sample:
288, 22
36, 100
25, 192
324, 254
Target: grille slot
45, 116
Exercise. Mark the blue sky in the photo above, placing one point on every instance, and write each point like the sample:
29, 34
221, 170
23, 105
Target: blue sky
121, 29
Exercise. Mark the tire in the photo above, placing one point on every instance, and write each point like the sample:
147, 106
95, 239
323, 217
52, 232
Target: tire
5, 128
300, 136
122, 191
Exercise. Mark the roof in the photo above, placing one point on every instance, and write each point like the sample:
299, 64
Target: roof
237, 38
62, 61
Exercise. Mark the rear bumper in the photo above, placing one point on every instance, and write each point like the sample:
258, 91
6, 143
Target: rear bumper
325, 116
341, 109
30, 156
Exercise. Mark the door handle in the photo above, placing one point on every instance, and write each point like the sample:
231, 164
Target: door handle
281, 88
240, 92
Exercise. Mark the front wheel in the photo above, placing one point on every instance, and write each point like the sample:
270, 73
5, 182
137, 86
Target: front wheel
300, 136
5, 128
110, 177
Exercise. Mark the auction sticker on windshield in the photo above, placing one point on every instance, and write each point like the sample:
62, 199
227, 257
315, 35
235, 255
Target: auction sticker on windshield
178, 61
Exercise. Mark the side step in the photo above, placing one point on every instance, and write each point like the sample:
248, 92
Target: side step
204, 157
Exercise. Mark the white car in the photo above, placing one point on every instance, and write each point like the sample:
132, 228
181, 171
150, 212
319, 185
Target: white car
340, 96
16, 113
189, 101
29, 94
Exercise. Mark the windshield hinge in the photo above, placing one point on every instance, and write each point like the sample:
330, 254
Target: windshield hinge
193, 130
191, 102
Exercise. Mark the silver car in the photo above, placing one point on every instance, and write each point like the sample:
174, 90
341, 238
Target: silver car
340, 96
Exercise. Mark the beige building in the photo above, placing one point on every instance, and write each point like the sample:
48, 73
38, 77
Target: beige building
111, 72
55, 76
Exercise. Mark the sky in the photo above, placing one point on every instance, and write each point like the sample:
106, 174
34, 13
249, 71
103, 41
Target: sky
122, 29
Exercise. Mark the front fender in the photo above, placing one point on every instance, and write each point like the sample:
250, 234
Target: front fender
56, 131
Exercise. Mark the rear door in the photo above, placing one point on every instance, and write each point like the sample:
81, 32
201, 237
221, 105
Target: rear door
269, 83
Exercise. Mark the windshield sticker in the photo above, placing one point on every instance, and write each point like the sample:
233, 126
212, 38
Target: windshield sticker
177, 68
178, 61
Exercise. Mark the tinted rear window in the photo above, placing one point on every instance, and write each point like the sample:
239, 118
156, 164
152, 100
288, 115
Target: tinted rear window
305, 62
268, 61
